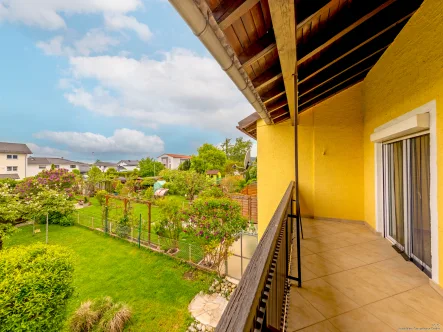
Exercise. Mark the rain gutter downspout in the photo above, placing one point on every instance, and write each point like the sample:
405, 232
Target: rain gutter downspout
198, 16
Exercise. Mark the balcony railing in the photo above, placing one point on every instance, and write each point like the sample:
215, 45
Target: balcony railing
259, 301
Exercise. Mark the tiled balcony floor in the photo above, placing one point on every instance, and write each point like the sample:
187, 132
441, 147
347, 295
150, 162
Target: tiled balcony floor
353, 280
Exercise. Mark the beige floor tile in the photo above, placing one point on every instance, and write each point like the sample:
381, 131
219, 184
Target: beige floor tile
316, 247
355, 288
364, 254
319, 265
306, 273
387, 282
359, 320
301, 313
304, 251
325, 298
399, 315
425, 300
404, 270
324, 326
342, 259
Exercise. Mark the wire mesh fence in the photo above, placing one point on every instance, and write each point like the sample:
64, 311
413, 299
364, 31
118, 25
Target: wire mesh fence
186, 251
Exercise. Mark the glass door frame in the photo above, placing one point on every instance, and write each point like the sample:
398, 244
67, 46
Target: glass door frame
407, 199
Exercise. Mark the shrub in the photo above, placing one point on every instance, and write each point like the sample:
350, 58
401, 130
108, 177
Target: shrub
101, 196
216, 222
232, 184
35, 284
184, 183
172, 216
67, 220
123, 229
100, 315
212, 191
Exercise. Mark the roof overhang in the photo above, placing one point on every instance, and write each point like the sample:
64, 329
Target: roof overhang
298, 53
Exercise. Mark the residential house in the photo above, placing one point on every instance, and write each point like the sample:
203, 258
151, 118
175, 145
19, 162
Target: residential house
171, 160
104, 165
13, 160
37, 164
127, 165
348, 100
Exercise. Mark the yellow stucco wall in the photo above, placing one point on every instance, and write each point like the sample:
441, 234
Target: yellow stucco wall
331, 157
408, 75
275, 168
337, 175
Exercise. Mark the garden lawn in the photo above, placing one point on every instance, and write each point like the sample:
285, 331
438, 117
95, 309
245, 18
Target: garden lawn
156, 287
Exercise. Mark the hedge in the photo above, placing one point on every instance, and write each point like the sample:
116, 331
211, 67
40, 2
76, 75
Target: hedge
35, 283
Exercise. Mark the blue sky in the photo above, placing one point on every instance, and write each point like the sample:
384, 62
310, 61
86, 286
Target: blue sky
109, 80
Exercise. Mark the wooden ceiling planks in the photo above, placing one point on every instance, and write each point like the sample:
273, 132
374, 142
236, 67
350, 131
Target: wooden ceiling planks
337, 43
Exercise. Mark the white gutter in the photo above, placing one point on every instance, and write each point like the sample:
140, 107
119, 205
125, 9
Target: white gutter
199, 18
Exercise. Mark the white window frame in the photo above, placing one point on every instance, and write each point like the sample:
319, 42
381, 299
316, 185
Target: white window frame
72, 166
430, 108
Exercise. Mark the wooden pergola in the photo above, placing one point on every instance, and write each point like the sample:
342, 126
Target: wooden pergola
313, 48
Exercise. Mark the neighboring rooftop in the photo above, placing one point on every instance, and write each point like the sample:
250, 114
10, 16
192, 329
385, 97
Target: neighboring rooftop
105, 163
13, 176
51, 161
14, 148
129, 162
173, 155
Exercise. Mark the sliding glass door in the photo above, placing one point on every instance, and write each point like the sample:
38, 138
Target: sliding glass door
406, 181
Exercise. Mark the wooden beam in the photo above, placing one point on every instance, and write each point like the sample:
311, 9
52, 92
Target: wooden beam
345, 31
278, 113
277, 105
283, 21
341, 83
329, 96
226, 14
343, 71
272, 94
267, 77
282, 118
258, 49
246, 133
322, 11
251, 127
357, 47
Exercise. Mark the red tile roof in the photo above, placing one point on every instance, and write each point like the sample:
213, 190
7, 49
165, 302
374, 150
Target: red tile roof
212, 172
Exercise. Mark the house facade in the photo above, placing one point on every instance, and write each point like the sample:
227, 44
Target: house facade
104, 165
13, 158
349, 125
37, 164
127, 165
171, 160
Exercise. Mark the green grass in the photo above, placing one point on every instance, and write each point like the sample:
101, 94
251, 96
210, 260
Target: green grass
155, 286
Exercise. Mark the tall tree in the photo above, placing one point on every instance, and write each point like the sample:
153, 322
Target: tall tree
226, 146
150, 167
209, 157
238, 150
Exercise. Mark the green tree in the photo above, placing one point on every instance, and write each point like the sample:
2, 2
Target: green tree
111, 173
150, 167
209, 157
238, 150
185, 166
184, 183
95, 176
10, 211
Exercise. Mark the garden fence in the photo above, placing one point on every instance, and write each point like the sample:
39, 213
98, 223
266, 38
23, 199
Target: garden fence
241, 251
189, 252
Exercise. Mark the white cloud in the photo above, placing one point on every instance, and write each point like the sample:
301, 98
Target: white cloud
47, 13
94, 41
46, 151
122, 141
180, 89
121, 22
